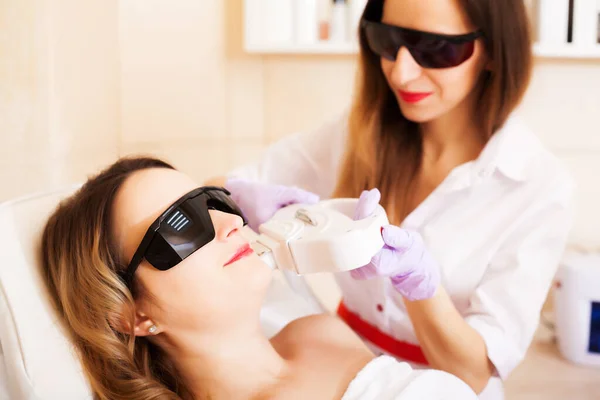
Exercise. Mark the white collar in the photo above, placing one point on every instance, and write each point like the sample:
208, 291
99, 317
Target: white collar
509, 150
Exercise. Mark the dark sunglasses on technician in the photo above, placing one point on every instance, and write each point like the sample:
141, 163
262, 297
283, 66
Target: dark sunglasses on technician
429, 50
182, 229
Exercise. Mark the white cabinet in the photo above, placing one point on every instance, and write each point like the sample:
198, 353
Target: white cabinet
297, 26
279, 27
567, 28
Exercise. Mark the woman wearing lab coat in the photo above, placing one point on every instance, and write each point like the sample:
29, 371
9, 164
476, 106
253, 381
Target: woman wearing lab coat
480, 210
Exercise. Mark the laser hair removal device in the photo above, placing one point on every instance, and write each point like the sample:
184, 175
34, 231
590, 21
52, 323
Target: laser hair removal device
323, 237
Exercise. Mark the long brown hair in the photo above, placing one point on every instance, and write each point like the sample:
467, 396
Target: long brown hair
82, 267
384, 148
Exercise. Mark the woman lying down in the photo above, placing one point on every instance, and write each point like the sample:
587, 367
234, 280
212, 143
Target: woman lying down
149, 325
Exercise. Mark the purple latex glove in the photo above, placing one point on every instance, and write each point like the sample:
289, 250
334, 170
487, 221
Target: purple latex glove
404, 258
260, 201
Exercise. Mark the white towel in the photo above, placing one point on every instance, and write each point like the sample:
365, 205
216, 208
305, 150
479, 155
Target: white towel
384, 378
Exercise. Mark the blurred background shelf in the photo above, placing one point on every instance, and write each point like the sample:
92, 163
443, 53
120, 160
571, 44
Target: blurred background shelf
316, 48
566, 51
315, 27
329, 48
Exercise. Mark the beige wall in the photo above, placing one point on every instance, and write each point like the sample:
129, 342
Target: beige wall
80, 84
59, 91
188, 92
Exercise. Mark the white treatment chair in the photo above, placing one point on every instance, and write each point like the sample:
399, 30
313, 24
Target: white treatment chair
37, 362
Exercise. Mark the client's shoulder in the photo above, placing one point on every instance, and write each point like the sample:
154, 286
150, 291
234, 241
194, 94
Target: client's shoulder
319, 331
321, 326
327, 356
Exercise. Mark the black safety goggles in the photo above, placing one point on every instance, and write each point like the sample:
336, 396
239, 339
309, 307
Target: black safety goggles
429, 50
182, 229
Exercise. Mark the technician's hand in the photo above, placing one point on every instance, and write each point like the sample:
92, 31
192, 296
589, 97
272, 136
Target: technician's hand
404, 258
260, 201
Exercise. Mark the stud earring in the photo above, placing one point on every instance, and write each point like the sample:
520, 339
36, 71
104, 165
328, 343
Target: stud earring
152, 330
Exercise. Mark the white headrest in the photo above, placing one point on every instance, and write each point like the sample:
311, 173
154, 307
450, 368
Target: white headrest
39, 361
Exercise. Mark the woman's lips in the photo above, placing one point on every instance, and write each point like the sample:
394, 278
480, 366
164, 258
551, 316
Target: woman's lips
242, 252
413, 97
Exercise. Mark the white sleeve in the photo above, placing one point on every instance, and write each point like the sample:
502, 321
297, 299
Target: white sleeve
309, 160
505, 307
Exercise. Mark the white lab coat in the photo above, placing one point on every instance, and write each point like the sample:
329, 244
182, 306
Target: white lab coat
497, 227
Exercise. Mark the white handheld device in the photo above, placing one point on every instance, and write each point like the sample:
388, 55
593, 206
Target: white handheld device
317, 238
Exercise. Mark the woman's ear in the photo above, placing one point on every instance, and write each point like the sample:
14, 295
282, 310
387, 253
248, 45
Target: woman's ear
142, 325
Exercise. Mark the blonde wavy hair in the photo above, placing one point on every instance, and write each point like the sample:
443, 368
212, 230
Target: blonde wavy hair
384, 149
82, 269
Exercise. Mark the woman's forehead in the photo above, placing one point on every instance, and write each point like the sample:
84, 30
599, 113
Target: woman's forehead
144, 196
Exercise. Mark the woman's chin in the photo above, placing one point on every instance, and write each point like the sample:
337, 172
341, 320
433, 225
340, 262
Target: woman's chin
416, 115
252, 271
421, 112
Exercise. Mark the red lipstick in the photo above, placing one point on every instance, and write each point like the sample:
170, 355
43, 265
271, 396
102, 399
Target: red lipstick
413, 97
242, 252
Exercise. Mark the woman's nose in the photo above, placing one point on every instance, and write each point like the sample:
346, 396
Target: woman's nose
225, 224
405, 68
